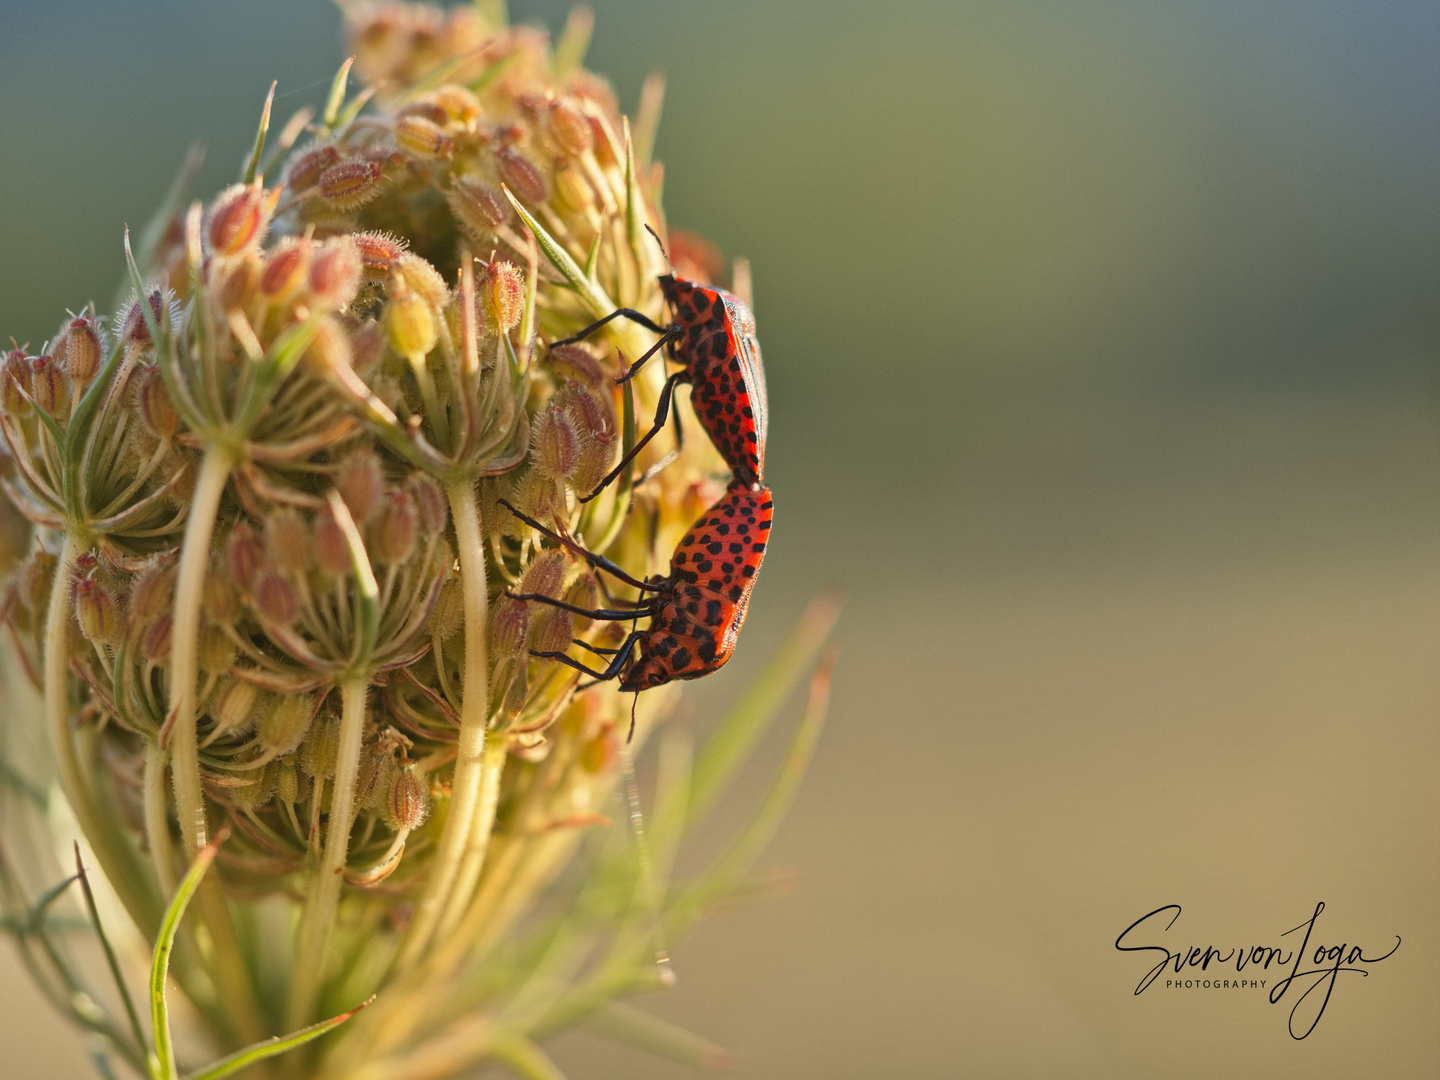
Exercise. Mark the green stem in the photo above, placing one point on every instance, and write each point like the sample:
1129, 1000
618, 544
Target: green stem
474, 710
157, 824
100, 832
185, 647
324, 896
492, 766
228, 967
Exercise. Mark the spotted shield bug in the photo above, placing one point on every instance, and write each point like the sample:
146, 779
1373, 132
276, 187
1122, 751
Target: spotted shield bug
696, 612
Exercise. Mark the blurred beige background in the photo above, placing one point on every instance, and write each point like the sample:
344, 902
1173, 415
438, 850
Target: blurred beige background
1102, 343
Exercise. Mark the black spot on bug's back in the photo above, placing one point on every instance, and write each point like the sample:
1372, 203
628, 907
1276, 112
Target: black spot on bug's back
680, 660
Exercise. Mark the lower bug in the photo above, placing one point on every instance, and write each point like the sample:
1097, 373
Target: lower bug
695, 613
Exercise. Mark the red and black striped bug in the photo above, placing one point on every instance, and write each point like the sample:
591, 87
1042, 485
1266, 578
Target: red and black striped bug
695, 613
713, 336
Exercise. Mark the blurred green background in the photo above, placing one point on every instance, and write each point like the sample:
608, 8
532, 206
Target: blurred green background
1102, 342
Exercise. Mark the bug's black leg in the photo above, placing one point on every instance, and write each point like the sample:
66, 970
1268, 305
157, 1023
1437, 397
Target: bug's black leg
612, 670
597, 561
619, 313
672, 334
662, 414
603, 614
596, 649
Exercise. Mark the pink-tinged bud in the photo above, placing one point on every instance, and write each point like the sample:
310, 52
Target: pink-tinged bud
287, 538
47, 386
133, 328
152, 402
233, 281
393, 535
222, 603
460, 104
508, 627
502, 295
449, 613
554, 443
238, 219
585, 592
545, 575
348, 185
422, 137
216, 651
535, 496
335, 273
283, 727
479, 209
236, 706
409, 801
244, 555
420, 277
332, 552
570, 127
551, 629
16, 378
152, 594
426, 108
429, 502
274, 599
361, 483
524, 179
155, 643
410, 323
96, 611
572, 187
285, 268
304, 170
322, 744
378, 251
82, 351
594, 414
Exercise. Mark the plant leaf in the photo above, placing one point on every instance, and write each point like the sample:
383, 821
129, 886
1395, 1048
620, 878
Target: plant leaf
748, 717
595, 298
164, 946
110, 959
574, 41
337, 93
270, 1047
630, 1026
525, 1059
365, 582
252, 166
155, 229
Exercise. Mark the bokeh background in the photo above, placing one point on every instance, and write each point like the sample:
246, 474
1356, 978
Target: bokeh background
1102, 343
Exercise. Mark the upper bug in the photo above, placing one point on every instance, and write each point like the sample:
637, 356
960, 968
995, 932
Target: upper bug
695, 613
713, 336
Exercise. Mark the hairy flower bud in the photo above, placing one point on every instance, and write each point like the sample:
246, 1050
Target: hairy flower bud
133, 328
155, 642
259, 790
554, 443
372, 785
47, 386
361, 484
410, 322
216, 650
151, 594
244, 555
349, 185
83, 350
378, 251
393, 534
572, 187
274, 599
286, 268
287, 539
335, 273
238, 219
459, 103
287, 782
501, 290
222, 604
237, 706
152, 402
332, 550
96, 611
449, 613
429, 503
508, 627
305, 169
545, 575
408, 802
478, 208
283, 727
422, 137
524, 178
569, 127
16, 376
551, 629
321, 746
